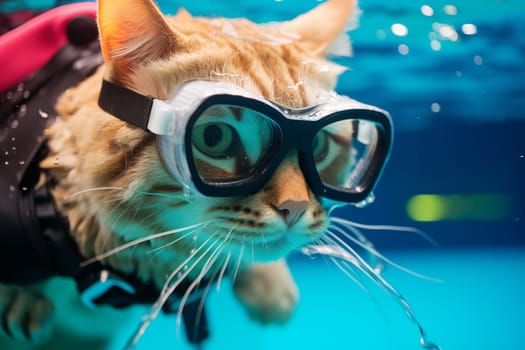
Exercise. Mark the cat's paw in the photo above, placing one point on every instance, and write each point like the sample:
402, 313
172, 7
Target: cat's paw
268, 292
24, 314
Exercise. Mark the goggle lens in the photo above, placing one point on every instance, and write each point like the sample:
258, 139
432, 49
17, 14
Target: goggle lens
342, 153
230, 142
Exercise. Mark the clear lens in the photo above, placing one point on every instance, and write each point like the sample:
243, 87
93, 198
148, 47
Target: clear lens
229, 143
343, 152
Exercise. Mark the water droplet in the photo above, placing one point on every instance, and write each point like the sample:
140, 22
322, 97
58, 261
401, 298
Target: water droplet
451, 10
399, 29
6, 153
12, 188
403, 49
14, 124
56, 161
435, 107
20, 87
427, 10
43, 114
24, 188
193, 251
522, 156
469, 29
185, 268
13, 148
380, 34
27, 93
21, 162
22, 111
478, 60
6, 163
368, 200
435, 45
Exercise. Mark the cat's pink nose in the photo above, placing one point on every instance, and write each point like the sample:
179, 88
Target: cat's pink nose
292, 210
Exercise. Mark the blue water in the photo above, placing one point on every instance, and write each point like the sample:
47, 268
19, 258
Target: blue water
459, 113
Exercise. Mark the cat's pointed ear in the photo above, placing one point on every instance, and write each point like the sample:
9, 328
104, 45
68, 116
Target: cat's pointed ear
133, 31
320, 27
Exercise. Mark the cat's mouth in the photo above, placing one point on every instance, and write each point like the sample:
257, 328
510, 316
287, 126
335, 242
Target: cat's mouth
268, 245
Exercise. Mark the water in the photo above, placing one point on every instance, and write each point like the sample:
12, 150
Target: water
451, 75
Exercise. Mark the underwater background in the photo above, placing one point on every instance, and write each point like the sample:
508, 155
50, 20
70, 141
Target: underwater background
451, 73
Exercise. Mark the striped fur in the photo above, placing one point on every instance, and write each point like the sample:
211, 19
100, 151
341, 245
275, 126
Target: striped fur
111, 184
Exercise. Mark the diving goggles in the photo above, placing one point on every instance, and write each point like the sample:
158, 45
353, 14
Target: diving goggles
225, 141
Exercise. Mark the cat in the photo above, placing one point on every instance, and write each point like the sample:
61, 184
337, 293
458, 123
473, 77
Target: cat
113, 188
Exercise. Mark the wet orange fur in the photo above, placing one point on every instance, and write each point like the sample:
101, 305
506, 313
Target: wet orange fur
91, 149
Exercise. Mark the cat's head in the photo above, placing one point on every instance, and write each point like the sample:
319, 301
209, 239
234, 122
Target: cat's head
153, 54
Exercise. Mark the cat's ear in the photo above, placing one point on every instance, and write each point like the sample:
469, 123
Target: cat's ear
133, 31
320, 27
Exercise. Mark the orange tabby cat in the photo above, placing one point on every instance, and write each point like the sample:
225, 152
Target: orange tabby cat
113, 187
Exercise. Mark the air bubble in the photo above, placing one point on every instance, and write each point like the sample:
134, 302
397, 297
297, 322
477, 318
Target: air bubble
43, 114
367, 201
427, 10
403, 49
478, 60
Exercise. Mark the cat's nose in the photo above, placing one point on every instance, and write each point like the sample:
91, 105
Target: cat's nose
292, 210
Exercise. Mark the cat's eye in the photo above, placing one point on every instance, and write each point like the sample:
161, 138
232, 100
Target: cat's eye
229, 143
214, 139
349, 145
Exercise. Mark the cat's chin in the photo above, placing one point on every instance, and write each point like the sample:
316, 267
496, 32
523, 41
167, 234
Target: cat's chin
267, 249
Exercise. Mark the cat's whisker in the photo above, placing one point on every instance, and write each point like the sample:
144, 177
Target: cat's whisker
331, 208
204, 271
408, 229
239, 260
373, 251
223, 270
204, 297
165, 195
345, 268
354, 258
185, 262
265, 244
139, 241
168, 289
175, 241
93, 189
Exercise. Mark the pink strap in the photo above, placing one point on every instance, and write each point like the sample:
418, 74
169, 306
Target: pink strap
27, 48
